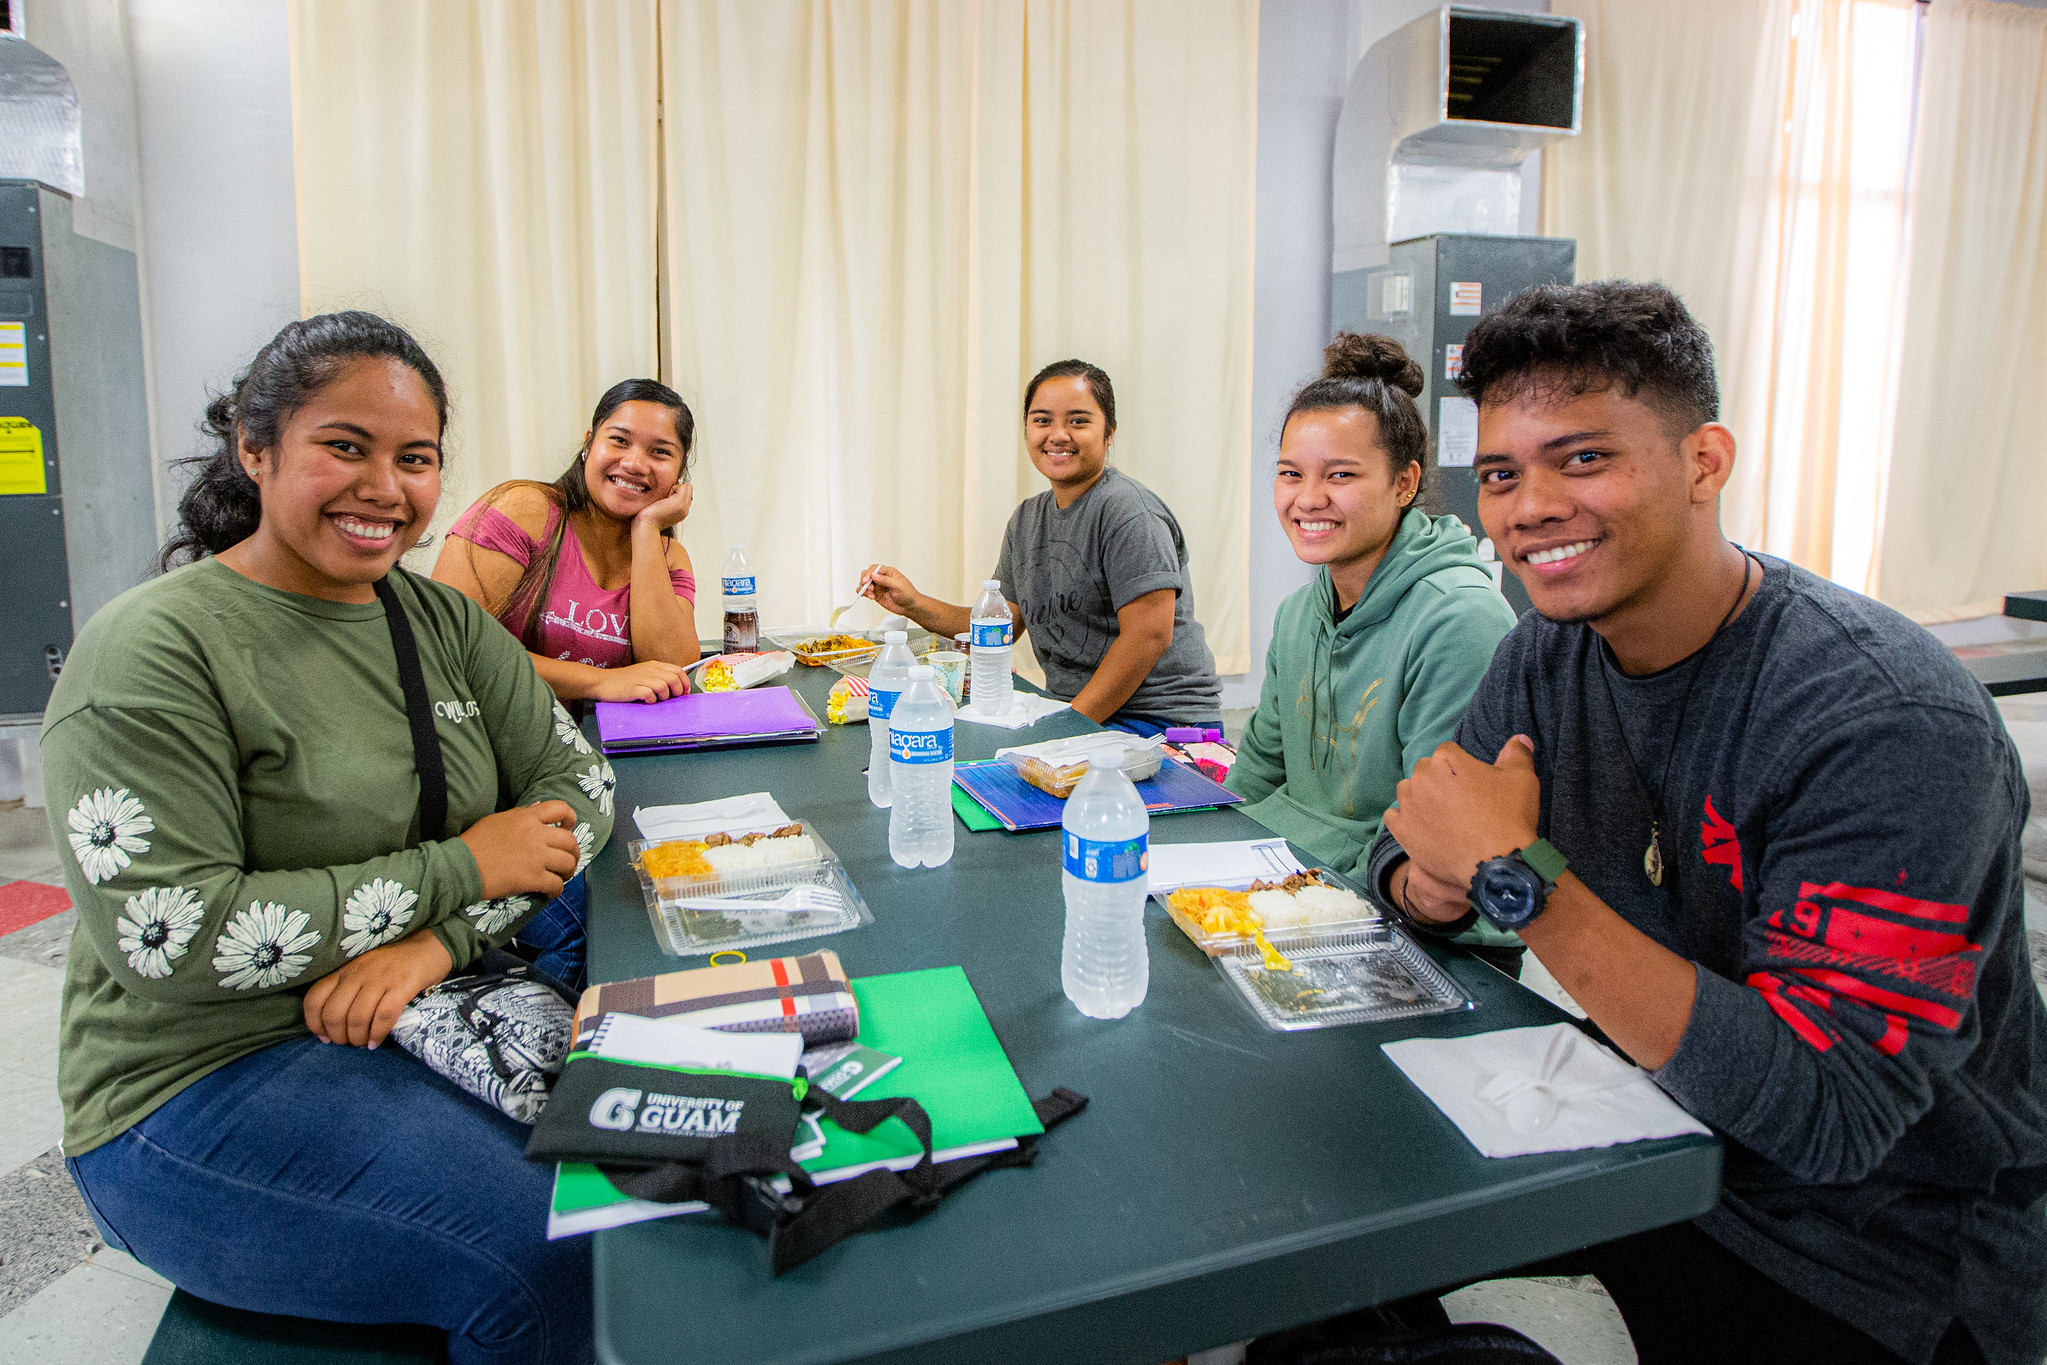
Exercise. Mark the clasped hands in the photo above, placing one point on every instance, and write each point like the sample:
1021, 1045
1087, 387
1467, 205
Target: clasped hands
522, 851
1454, 812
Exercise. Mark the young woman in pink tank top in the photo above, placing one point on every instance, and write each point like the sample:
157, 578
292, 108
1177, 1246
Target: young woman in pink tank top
587, 571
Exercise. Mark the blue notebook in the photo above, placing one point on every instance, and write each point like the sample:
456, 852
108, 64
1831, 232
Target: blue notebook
999, 787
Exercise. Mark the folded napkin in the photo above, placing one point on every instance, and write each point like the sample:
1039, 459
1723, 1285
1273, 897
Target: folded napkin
1028, 709
1549, 1089
756, 811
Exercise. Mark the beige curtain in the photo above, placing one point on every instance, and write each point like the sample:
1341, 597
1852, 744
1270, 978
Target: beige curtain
1751, 154
882, 218
485, 174
1968, 482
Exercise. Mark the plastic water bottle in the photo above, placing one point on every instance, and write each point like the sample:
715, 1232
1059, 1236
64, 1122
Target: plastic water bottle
920, 773
885, 682
994, 691
742, 612
1104, 841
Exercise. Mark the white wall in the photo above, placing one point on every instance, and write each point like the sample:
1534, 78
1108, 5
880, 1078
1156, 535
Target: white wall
219, 223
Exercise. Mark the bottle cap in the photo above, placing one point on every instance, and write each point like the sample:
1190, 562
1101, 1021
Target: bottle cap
895, 637
994, 583
1106, 757
738, 549
922, 673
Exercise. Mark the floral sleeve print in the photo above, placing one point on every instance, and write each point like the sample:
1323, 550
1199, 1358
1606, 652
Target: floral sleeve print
152, 824
107, 826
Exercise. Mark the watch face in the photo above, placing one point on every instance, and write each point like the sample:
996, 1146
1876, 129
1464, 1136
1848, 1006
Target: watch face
1507, 892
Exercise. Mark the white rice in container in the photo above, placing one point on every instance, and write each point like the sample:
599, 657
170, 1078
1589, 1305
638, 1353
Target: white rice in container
730, 859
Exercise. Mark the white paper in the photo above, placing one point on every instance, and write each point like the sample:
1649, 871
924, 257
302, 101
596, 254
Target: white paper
669, 1042
747, 814
1527, 1090
1456, 432
1027, 709
1235, 865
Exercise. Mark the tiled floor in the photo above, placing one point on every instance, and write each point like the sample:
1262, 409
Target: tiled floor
64, 1298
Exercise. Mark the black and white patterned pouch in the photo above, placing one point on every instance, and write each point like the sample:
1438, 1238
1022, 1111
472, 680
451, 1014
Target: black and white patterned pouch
500, 1034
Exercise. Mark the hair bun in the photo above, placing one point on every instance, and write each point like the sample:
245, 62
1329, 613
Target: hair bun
1355, 355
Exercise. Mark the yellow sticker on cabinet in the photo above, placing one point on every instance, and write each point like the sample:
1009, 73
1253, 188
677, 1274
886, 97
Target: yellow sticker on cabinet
13, 355
21, 457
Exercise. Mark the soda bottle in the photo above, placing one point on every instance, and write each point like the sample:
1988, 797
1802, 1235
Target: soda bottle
920, 773
1104, 840
742, 614
885, 682
994, 691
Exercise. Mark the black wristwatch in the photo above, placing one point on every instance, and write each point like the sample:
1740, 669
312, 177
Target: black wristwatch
1513, 890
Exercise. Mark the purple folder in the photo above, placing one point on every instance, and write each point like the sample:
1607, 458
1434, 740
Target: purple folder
706, 720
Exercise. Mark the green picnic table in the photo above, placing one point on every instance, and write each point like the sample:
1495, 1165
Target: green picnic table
1225, 1180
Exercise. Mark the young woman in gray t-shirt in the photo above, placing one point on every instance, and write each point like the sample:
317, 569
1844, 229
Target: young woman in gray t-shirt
1094, 568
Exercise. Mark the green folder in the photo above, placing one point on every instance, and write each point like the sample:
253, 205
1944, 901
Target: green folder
972, 813
952, 1063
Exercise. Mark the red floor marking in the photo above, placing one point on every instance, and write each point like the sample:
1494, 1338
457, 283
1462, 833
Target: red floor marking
26, 903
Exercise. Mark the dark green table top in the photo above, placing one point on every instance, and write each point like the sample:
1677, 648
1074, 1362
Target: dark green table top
1225, 1180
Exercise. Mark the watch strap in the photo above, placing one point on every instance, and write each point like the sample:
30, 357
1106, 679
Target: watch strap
1544, 859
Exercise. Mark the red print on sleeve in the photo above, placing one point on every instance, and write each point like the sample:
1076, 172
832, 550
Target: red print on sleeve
1896, 954
1717, 843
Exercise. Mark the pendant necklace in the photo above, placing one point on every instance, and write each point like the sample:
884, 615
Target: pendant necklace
1652, 856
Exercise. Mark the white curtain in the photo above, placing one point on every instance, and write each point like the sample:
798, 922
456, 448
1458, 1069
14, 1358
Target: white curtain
1967, 498
485, 173
1751, 154
882, 218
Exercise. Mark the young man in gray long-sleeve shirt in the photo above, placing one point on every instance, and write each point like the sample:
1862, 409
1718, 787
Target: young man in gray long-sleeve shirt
1791, 822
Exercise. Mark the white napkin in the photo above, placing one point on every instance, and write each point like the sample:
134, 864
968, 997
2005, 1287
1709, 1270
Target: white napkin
1234, 864
731, 815
1028, 708
1547, 1089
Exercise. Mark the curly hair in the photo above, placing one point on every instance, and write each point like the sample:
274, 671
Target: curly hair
1562, 340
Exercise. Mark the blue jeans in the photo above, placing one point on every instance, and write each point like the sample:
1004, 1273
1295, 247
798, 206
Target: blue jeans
332, 1182
560, 934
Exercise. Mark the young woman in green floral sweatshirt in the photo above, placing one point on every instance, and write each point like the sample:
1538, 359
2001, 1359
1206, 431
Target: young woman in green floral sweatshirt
229, 762
1372, 664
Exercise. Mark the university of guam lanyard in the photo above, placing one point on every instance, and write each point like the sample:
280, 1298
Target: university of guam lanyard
1652, 856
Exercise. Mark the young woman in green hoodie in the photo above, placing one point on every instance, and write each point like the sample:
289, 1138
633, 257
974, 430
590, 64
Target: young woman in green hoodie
1371, 664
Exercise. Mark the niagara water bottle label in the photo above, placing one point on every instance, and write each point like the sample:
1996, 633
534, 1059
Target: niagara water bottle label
1111, 860
880, 704
920, 746
739, 587
990, 634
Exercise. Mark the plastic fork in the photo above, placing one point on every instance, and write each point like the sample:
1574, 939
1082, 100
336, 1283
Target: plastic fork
797, 900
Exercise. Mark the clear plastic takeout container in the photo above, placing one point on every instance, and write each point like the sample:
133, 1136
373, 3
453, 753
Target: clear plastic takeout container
682, 929
1057, 765
1227, 941
842, 655
1361, 977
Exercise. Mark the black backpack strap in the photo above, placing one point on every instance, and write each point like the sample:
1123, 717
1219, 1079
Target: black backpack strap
837, 1211
419, 712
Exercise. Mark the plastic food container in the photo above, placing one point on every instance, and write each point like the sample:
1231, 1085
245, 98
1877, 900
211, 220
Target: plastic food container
682, 929
840, 653
1057, 765
1362, 977
1228, 941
